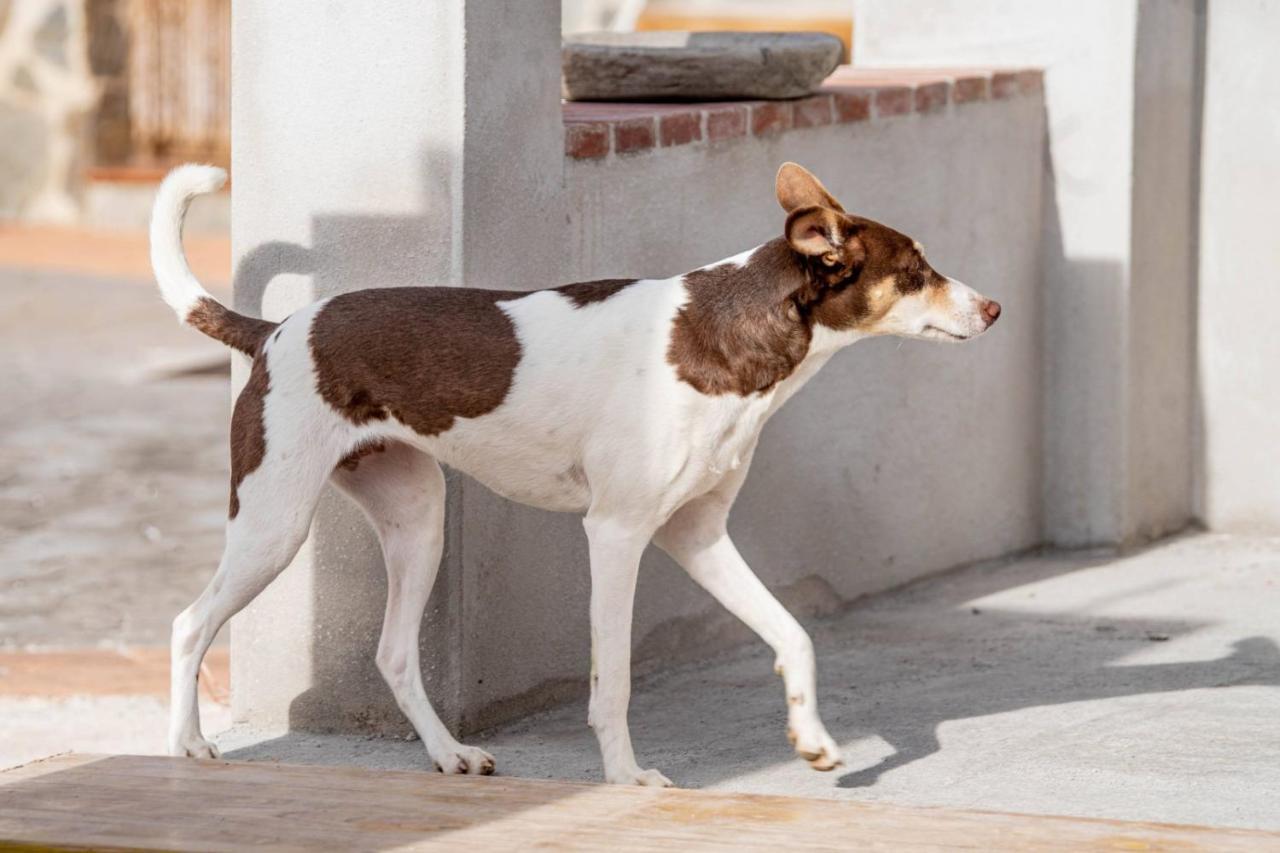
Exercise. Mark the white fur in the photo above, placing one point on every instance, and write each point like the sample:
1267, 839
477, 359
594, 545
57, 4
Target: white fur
596, 420
177, 285
956, 318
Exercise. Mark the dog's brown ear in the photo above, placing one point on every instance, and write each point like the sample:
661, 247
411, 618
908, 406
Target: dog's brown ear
797, 187
817, 231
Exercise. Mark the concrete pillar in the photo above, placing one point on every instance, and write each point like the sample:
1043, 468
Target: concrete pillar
381, 144
1119, 268
1160, 356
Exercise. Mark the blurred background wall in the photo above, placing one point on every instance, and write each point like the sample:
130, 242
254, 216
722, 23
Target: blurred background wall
99, 97
47, 95
827, 16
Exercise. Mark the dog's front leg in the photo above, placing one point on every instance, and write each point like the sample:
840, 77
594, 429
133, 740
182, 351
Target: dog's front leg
697, 538
616, 547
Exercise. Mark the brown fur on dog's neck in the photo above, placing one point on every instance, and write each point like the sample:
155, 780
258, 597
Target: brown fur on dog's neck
747, 327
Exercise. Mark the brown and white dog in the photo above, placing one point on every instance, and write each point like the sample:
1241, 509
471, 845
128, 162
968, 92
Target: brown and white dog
636, 402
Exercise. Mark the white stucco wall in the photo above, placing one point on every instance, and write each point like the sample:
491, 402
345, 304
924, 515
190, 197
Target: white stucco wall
1118, 271
1239, 350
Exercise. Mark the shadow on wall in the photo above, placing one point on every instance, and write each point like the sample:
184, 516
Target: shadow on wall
1083, 380
1123, 414
351, 252
1199, 425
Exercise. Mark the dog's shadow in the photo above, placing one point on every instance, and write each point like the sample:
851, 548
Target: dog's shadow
977, 660
909, 722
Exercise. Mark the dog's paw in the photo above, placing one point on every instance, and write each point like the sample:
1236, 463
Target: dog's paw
465, 761
646, 778
651, 778
198, 748
817, 748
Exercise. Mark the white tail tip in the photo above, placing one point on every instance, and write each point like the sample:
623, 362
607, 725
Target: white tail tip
195, 179
177, 285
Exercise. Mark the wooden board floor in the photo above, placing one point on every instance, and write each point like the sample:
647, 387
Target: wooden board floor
132, 802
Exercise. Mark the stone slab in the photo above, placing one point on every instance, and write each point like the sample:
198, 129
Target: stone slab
696, 66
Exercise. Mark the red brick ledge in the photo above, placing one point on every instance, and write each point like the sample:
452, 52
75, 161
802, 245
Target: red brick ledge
594, 130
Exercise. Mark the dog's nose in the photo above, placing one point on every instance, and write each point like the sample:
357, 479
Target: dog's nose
991, 310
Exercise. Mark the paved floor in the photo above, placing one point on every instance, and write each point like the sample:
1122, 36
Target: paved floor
114, 254
113, 484
1144, 687
82, 700
113, 462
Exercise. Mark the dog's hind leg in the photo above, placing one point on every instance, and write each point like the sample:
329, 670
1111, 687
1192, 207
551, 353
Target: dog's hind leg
402, 492
275, 505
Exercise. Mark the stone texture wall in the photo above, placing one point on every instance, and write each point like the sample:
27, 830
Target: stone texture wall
46, 94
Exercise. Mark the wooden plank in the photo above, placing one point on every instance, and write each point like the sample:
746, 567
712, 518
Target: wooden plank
133, 802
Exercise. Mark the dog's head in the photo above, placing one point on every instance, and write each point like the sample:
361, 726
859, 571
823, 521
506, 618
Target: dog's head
867, 278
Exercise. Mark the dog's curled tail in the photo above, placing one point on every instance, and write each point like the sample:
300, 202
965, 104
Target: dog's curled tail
179, 287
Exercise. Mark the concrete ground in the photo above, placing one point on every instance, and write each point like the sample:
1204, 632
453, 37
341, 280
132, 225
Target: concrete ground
113, 459
1142, 687
113, 487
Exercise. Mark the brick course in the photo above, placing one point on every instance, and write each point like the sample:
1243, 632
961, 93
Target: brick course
596, 131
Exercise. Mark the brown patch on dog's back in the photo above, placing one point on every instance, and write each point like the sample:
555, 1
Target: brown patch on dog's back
248, 430
237, 331
423, 355
740, 331
585, 293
